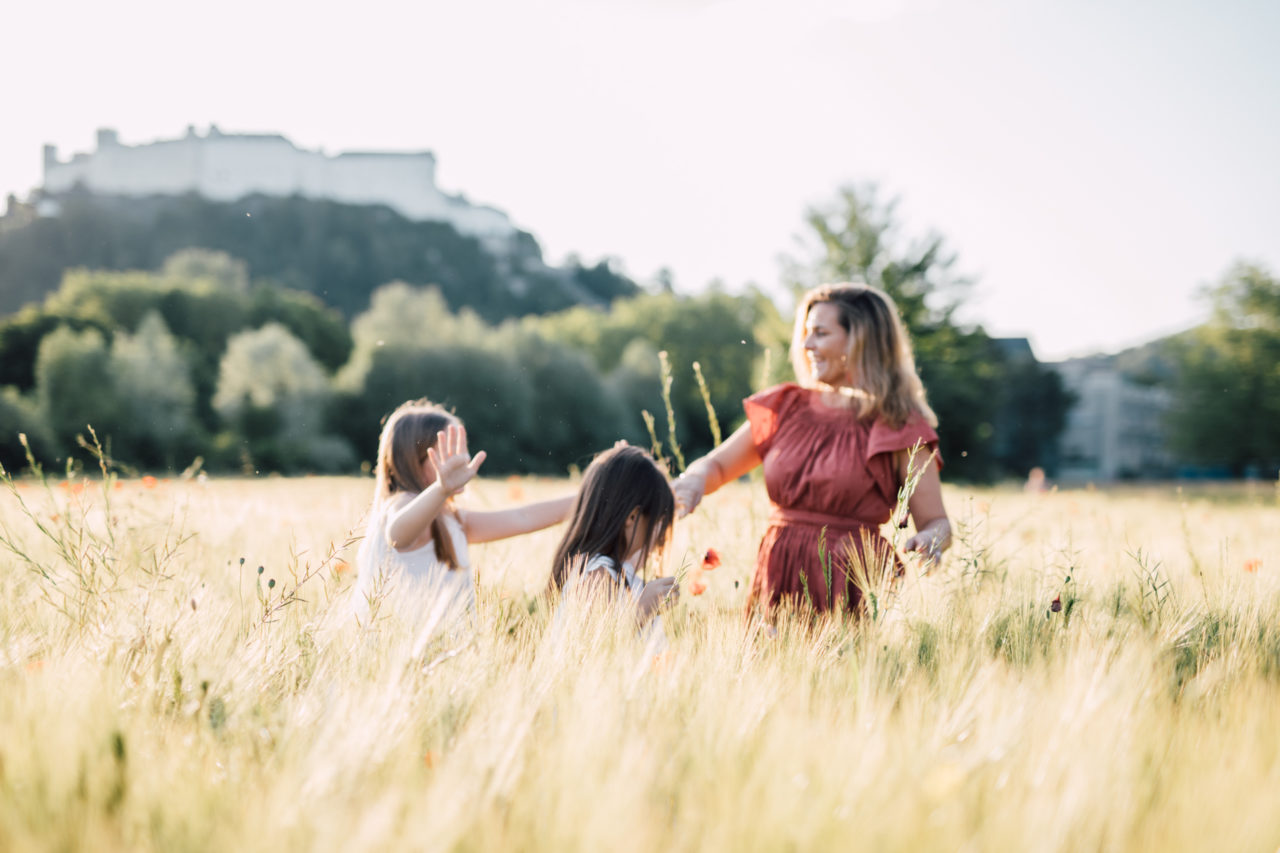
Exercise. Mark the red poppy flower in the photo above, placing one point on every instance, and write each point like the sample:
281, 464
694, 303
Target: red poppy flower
1252, 566
711, 560
697, 588
1056, 606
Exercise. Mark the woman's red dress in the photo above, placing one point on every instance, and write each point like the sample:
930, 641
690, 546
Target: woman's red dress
831, 483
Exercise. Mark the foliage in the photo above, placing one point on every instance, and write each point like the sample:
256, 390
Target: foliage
20, 415
200, 313
156, 398
533, 404
275, 396
1227, 390
715, 329
74, 386
337, 252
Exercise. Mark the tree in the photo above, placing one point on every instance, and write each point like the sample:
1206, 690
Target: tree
218, 268
1227, 389
715, 329
153, 388
74, 388
274, 396
531, 402
19, 416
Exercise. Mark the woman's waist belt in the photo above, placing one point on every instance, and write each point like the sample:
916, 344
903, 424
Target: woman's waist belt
781, 515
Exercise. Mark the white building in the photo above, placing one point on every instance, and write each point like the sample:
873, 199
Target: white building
226, 167
1116, 427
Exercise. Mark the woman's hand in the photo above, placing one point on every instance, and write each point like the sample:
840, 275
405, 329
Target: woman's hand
690, 487
449, 460
656, 595
735, 457
931, 541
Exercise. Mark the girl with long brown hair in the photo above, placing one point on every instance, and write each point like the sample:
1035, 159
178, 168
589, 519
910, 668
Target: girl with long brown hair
837, 447
417, 537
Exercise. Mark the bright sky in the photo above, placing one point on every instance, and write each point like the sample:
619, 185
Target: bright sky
1093, 164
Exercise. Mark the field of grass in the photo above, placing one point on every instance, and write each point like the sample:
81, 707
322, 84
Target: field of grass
159, 691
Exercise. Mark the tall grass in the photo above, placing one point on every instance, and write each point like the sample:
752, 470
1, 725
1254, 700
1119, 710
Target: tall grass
157, 692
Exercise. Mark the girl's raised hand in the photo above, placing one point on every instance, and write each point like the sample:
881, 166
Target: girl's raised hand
452, 465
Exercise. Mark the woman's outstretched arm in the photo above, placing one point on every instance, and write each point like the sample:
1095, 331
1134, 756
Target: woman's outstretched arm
734, 457
487, 525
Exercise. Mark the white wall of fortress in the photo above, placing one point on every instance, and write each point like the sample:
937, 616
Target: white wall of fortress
225, 167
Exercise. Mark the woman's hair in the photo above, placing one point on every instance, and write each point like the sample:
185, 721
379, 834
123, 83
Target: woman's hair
407, 434
617, 482
879, 354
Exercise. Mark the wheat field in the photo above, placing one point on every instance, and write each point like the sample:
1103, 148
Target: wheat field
159, 692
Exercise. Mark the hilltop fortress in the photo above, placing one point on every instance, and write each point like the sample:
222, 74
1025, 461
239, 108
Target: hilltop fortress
228, 166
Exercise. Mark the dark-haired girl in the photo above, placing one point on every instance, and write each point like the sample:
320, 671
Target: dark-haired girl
622, 517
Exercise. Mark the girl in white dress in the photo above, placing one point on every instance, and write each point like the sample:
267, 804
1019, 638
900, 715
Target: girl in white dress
414, 554
622, 516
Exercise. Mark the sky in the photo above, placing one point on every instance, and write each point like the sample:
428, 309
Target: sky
1092, 165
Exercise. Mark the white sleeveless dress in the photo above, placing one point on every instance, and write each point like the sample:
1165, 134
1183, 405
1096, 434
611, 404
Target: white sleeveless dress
415, 586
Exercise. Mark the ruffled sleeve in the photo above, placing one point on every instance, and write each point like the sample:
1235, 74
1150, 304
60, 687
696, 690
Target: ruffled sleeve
885, 439
765, 411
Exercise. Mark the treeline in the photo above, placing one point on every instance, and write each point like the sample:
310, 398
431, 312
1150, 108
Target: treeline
194, 361
337, 252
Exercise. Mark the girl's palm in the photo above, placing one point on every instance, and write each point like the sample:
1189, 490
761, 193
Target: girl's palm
452, 464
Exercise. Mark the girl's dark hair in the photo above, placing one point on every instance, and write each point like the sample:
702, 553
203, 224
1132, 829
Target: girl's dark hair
617, 482
408, 433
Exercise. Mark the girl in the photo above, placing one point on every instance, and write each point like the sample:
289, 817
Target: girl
415, 547
623, 515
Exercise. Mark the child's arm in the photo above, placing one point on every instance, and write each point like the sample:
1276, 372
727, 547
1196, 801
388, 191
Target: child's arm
451, 467
597, 586
655, 595
485, 526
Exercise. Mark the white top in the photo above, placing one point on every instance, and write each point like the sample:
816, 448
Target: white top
627, 577
417, 585
653, 634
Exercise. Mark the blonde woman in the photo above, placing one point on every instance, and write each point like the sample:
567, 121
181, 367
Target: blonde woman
836, 448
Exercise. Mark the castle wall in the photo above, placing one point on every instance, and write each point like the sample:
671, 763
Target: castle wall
225, 167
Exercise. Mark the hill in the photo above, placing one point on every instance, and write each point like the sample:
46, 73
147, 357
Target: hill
339, 252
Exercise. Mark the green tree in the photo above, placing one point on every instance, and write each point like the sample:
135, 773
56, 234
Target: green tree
20, 415
220, 269
200, 312
1227, 387
533, 404
74, 387
156, 398
715, 329
275, 396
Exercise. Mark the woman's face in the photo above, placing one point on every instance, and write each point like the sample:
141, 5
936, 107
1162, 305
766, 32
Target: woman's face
826, 345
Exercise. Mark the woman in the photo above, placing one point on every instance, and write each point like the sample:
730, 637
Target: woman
836, 450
